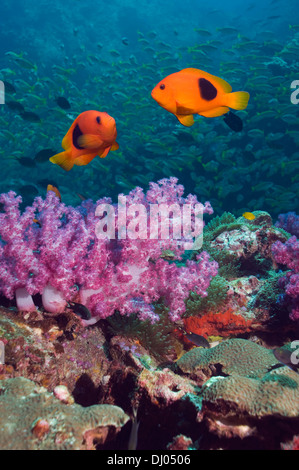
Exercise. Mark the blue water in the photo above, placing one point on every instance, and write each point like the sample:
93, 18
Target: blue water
109, 55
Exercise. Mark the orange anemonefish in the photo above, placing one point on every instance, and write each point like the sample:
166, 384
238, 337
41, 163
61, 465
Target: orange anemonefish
92, 133
192, 91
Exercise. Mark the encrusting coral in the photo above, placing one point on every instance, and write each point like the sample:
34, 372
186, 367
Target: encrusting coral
39, 421
236, 356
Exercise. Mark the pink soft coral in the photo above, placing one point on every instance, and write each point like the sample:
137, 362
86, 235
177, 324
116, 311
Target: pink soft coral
53, 249
288, 254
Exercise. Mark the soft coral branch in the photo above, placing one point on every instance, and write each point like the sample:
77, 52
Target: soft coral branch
53, 248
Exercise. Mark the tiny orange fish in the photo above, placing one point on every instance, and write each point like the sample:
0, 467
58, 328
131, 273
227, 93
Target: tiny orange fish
55, 190
248, 215
92, 133
192, 91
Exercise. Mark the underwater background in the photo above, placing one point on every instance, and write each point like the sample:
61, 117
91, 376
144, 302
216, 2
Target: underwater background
99, 335
58, 59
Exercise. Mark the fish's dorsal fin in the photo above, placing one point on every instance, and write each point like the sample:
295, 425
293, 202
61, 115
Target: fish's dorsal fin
186, 119
226, 87
89, 141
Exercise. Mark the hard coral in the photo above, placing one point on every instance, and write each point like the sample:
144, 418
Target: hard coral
164, 387
276, 393
63, 252
38, 421
43, 352
235, 356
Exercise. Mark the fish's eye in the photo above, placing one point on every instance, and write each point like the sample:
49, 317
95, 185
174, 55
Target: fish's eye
98, 120
162, 86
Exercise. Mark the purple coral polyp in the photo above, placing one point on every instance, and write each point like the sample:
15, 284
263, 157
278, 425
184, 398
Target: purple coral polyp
288, 254
52, 249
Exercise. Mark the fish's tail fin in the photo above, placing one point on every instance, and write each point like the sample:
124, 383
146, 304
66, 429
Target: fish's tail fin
237, 100
63, 159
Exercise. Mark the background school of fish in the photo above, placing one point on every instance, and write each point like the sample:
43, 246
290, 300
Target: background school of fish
114, 68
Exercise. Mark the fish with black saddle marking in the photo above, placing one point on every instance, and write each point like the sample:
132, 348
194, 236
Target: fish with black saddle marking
92, 133
193, 91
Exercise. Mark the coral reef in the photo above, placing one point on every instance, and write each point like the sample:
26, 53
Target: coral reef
144, 297
235, 356
235, 406
39, 421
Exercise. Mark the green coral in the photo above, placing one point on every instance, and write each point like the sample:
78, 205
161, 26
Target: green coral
275, 394
236, 357
218, 225
225, 223
228, 264
156, 338
282, 380
268, 292
217, 291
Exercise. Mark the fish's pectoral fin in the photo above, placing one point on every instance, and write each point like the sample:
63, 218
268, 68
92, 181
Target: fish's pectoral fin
115, 146
105, 153
89, 141
63, 159
183, 109
215, 112
84, 159
186, 119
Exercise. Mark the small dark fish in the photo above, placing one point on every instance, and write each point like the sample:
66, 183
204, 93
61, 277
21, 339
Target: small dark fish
285, 357
184, 137
62, 102
194, 338
197, 339
233, 121
26, 161
30, 116
125, 41
15, 106
9, 88
80, 310
28, 190
43, 155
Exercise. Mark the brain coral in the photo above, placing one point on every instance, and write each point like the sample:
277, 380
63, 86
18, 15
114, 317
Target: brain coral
236, 356
276, 393
33, 419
